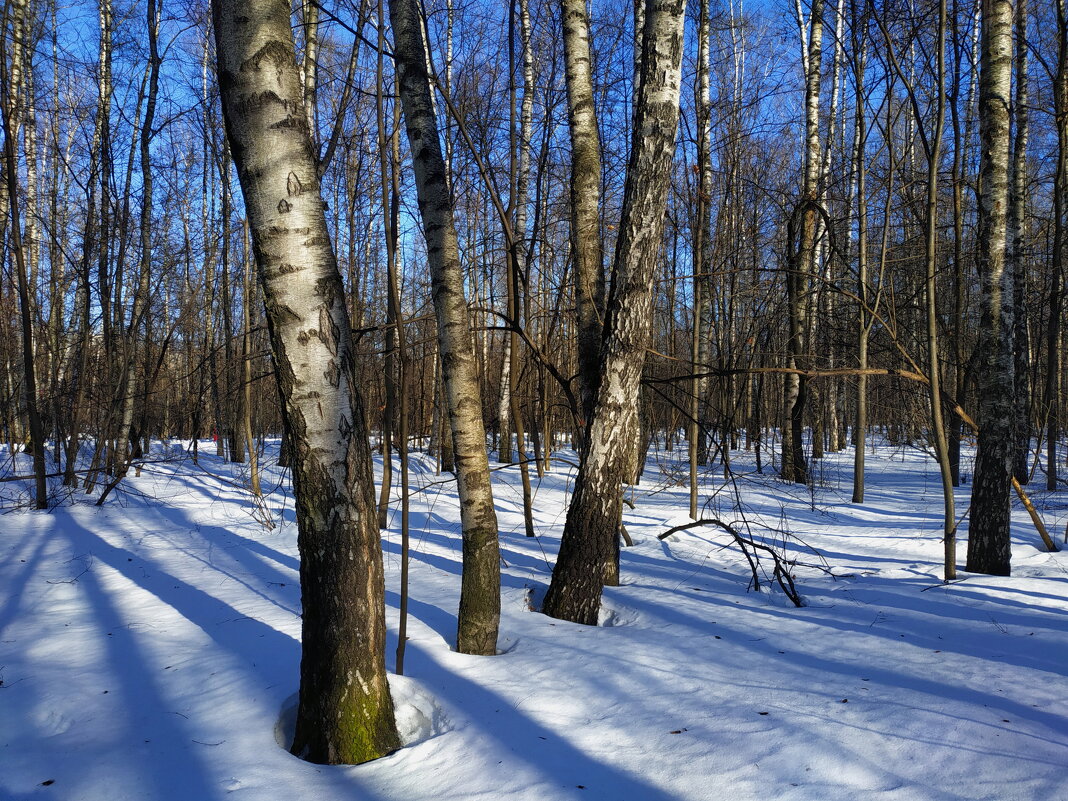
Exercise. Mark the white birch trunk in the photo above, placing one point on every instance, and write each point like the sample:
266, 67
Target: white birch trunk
988, 531
346, 712
479, 615
593, 517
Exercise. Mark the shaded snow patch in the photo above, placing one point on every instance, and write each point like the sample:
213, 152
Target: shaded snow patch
286, 726
610, 616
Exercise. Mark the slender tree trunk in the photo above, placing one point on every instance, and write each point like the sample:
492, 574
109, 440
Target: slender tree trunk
479, 616
703, 252
9, 104
585, 200
956, 345
392, 321
309, 65
246, 372
1060, 233
390, 177
864, 316
989, 546
934, 374
520, 263
131, 381
803, 264
1016, 255
346, 712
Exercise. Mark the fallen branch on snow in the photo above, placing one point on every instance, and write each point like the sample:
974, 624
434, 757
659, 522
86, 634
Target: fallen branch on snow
749, 547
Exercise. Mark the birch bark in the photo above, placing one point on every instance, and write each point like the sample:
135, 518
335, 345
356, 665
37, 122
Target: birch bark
988, 532
585, 199
345, 713
798, 279
479, 615
593, 517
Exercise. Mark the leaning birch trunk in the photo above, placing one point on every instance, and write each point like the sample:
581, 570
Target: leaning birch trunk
593, 517
989, 547
938, 428
480, 600
585, 200
345, 713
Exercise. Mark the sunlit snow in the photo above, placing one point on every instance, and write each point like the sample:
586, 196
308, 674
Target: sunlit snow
149, 649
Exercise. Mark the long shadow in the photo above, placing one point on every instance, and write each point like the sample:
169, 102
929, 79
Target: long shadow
248, 555
433, 617
563, 766
257, 547
443, 563
205, 611
932, 687
953, 618
183, 774
16, 587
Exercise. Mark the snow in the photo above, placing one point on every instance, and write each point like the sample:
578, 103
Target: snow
149, 649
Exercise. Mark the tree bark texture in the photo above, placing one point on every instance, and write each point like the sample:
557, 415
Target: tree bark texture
346, 712
803, 263
988, 532
593, 517
480, 602
585, 199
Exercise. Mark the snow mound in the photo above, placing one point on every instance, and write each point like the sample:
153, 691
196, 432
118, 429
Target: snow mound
286, 727
419, 717
610, 615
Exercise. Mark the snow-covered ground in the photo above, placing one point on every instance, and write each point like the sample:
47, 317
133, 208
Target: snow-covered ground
149, 651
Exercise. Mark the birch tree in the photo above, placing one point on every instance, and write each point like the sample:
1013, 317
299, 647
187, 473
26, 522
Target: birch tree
593, 517
988, 531
585, 199
345, 714
802, 261
480, 601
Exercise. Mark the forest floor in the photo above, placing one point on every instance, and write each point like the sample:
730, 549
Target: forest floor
149, 649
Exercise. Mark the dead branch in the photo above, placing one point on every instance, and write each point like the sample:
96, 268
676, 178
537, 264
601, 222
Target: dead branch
749, 549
